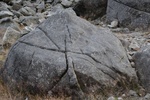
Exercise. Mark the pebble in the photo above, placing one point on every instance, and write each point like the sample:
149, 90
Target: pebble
132, 93
113, 24
147, 96
66, 3
111, 98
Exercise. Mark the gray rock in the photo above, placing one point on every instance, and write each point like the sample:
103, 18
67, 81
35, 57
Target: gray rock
119, 98
142, 62
17, 1
49, 1
10, 37
55, 2
66, 3
4, 6
130, 13
55, 9
16, 13
7, 1
6, 19
91, 9
66, 55
40, 5
147, 97
28, 4
132, 93
28, 20
17, 4
27, 11
5, 14
113, 24
111, 98
134, 45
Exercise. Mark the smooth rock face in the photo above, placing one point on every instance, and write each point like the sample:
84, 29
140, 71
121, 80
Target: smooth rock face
142, 62
129, 13
67, 55
91, 9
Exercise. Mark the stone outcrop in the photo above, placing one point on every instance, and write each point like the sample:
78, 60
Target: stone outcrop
66, 55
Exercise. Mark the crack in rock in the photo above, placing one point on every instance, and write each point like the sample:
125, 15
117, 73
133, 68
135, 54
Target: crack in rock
48, 37
77, 78
62, 51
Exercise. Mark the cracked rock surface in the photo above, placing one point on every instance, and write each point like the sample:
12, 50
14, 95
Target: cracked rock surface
130, 13
67, 55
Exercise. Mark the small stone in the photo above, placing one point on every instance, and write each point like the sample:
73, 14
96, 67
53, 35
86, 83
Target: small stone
16, 6
4, 6
147, 96
134, 45
28, 20
132, 93
111, 98
49, 1
5, 14
76, 1
113, 24
125, 43
27, 11
28, 29
41, 6
10, 37
6, 19
16, 1
130, 57
123, 95
26, 98
66, 3
120, 98
133, 64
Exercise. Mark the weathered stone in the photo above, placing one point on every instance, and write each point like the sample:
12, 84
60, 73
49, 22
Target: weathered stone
113, 24
147, 97
5, 14
27, 11
66, 55
66, 3
142, 62
40, 5
130, 13
28, 20
4, 6
6, 19
111, 98
132, 93
10, 37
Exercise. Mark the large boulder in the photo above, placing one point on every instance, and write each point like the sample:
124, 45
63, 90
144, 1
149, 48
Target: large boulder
129, 13
142, 65
91, 9
67, 55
